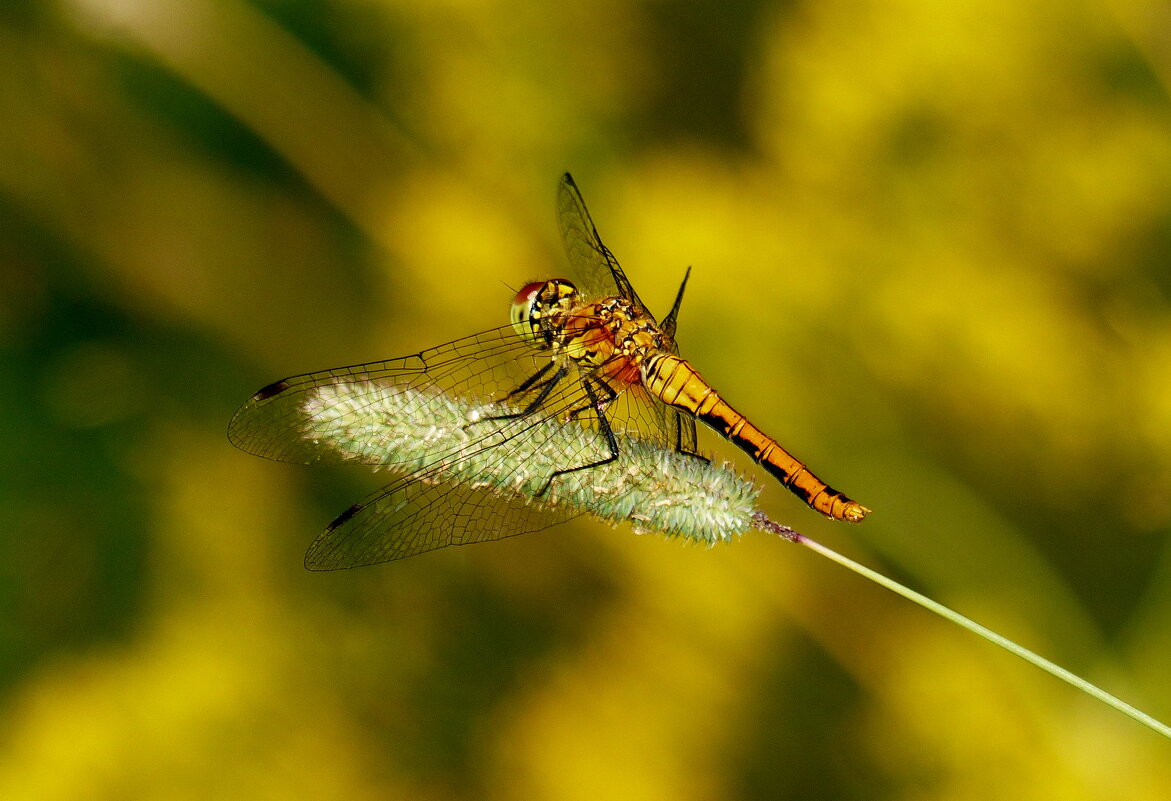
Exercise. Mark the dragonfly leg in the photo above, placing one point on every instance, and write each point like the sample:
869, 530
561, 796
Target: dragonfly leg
532, 382
598, 405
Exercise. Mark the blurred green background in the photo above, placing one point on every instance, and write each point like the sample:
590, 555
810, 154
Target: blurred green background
932, 251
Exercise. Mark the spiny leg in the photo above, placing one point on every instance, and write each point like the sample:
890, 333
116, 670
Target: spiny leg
532, 382
594, 403
528, 383
591, 386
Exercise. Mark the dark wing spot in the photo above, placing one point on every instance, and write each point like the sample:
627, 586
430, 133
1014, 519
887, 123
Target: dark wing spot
273, 389
344, 516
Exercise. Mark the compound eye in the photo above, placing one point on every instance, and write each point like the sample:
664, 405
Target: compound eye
524, 321
526, 295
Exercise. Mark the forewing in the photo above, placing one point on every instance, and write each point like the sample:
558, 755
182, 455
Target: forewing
480, 368
600, 275
596, 271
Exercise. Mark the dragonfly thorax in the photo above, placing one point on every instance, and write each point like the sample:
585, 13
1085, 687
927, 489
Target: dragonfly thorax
609, 338
536, 305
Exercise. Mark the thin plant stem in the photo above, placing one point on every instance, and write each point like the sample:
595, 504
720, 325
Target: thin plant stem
964, 622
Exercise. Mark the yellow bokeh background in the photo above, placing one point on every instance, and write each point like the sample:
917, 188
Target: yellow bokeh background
932, 255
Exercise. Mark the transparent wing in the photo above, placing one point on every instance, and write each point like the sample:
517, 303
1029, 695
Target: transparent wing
599, 274
411, 516
596, 271
679, 427
483, 367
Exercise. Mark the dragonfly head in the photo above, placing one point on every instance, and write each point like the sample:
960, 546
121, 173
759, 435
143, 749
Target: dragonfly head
535, 304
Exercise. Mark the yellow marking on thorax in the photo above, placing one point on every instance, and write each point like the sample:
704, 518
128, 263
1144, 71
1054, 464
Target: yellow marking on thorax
609, 338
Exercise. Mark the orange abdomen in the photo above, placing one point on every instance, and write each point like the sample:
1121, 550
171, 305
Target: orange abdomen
677, 384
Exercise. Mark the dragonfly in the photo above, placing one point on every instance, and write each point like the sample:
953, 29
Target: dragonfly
586, 351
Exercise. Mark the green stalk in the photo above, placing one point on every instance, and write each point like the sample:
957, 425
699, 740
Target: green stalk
764, 524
